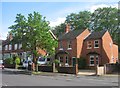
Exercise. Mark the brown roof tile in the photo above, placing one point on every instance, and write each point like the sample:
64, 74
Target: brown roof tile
96, 35
70, 35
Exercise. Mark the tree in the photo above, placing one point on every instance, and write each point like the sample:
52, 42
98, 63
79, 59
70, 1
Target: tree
33, 33
105, 18
79, 21
60, 29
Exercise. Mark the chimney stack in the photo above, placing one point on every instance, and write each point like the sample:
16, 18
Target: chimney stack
67, 28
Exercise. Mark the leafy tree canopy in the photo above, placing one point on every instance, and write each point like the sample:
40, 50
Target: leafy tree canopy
33, 33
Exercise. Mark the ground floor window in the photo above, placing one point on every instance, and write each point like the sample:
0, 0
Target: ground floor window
61, 59
97, 60
6, 55
66, 61
91, 60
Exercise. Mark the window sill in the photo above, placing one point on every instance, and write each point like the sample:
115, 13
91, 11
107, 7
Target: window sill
69, 49
96, 47
91, 65
89, 48
61, 49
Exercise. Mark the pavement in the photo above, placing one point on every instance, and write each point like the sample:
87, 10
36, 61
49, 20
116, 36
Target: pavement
86, 72
80, 73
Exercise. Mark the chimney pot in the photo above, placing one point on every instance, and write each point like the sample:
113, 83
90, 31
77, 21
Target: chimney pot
67, 28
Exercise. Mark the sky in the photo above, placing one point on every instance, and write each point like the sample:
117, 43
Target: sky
54, 11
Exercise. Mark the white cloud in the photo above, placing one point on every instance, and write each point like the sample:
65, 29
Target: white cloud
59, 0
57, 22
3, 35
94, 7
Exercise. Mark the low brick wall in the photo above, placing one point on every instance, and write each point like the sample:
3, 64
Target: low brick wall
45, 68
68, 70
9, 65
112, 68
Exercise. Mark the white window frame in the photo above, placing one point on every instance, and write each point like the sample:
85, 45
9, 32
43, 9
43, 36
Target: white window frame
20, 45
89, 44
97, 43
69, 44
97, 60
92, 60
15, 46
60, 59
60, 46
6, 47
10, 47
112, 59
66, 59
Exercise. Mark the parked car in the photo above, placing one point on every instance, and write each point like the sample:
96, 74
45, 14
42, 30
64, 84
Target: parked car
26, 62
1, 64
43, 60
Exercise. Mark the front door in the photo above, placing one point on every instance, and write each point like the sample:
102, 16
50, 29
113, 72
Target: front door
73, 61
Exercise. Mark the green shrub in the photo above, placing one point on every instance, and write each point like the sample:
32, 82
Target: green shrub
8, 61
17, 60
81, 63
56, 61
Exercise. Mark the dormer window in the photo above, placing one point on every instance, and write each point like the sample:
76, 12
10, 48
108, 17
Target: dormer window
60, 46
96, 44
69, 45
89, 45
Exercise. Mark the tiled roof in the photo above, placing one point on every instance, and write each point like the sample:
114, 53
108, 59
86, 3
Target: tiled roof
96, 35
70, 35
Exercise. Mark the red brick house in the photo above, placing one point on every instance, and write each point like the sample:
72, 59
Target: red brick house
70, 45
99, 49
95, 47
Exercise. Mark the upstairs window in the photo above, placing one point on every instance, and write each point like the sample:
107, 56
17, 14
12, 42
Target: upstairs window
89, 45
60, 46
96, 44
20, 46
15, 46
6, 47
10, 47
69, 45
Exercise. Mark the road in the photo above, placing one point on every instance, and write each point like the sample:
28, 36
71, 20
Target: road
12, 79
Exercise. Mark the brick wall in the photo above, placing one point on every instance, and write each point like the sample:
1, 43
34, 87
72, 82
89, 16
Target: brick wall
110, 50
80, 39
